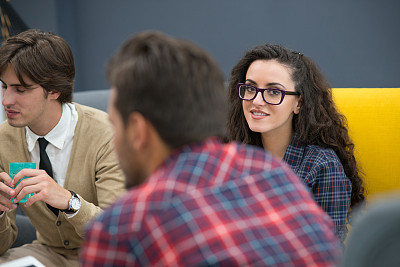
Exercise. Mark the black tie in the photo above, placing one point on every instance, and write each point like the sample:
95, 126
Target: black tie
44, 158
45, 164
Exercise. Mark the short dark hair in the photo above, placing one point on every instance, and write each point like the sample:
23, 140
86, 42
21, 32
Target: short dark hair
43, 57
173, 83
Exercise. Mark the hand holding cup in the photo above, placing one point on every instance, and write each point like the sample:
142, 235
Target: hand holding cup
16, 167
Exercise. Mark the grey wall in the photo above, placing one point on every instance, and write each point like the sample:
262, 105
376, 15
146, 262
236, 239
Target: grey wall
353, 41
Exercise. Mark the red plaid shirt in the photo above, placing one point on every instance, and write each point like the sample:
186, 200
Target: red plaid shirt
212, 204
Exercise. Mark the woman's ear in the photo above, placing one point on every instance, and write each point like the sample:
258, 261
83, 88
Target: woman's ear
298, 103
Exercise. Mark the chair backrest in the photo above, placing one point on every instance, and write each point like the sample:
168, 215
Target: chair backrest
373, 116
93, 98
374, 240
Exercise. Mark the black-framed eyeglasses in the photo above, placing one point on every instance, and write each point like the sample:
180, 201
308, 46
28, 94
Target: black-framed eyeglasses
272, 96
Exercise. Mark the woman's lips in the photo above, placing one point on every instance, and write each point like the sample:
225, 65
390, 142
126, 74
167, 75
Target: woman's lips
256, 114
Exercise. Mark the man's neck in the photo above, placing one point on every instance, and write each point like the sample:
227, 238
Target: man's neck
48, 121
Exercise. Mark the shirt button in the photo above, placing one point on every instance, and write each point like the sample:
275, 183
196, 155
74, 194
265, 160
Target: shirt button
66, 242
58, 223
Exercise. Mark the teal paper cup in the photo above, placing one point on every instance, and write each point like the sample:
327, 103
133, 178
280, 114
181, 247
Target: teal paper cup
16, 167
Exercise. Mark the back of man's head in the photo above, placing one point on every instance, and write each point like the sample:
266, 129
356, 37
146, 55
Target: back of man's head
173, 83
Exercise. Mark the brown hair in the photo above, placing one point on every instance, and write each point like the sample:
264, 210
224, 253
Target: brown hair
175, 84
45, 58
318, 122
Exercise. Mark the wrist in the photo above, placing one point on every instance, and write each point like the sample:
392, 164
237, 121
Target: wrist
74, 204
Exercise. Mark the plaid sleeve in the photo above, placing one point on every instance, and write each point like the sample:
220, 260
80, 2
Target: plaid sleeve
103, 249
332, 191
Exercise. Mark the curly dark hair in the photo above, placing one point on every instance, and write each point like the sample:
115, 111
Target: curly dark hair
318, 122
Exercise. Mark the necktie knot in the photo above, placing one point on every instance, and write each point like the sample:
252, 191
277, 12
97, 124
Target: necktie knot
42, 144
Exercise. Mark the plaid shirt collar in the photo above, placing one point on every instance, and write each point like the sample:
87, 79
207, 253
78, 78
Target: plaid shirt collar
180, 153
295, 152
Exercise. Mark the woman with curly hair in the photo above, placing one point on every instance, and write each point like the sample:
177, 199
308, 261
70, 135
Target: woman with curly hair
279, 100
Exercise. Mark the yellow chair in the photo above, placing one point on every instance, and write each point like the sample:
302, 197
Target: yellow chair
373, 116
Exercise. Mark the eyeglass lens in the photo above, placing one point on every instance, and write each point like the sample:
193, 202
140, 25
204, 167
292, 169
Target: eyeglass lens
272, 96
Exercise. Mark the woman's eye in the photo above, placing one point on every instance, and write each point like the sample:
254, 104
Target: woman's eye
274, 92
250, 89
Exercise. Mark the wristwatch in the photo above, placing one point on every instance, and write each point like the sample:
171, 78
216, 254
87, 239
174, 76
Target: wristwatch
74, 203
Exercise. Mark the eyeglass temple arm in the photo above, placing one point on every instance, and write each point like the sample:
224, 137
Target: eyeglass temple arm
291, 93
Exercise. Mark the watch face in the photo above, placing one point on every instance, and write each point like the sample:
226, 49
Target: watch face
75, 204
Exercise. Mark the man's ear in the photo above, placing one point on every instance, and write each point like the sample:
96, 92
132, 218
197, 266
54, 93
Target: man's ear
54, 94
137, 130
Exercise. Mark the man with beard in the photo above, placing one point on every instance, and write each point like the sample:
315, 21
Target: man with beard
194, 201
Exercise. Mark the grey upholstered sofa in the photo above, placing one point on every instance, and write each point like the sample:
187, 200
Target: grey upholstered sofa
94, 98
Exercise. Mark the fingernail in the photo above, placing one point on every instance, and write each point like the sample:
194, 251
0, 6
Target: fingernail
12, 192
14, 206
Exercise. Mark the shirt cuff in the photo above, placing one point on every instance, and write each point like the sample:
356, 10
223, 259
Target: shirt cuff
68, 215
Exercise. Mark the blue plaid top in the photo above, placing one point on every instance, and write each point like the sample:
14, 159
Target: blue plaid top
213, 204
322, 172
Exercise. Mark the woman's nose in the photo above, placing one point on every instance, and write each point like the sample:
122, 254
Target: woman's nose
259, 101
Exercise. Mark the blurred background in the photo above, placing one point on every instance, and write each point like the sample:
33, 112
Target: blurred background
354, 42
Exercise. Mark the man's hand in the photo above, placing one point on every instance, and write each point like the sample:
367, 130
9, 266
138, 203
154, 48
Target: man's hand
44, 187
6, 193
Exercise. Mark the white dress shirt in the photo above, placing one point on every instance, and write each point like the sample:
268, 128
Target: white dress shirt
60, 140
